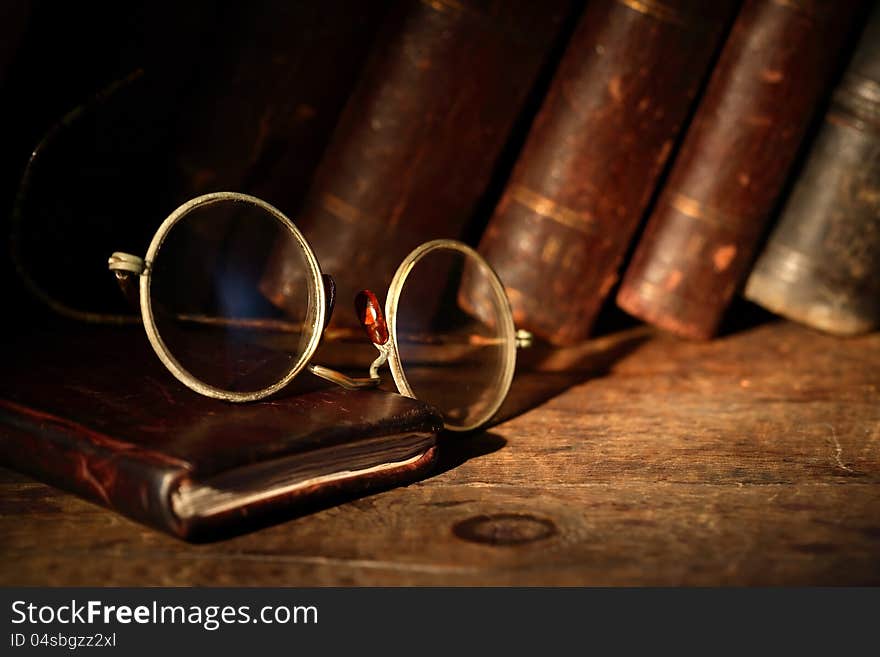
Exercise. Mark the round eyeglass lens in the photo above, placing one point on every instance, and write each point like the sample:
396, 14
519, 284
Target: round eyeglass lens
454, 333
206, 295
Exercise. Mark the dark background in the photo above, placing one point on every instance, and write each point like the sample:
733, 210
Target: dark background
220, 96
238, 96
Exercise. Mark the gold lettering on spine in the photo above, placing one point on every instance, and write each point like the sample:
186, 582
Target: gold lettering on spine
657, 10
550, 252
688, 206
546, 207
805, 6
339, 208
849, 121
691, 207
811, 9
857, 104
444, 5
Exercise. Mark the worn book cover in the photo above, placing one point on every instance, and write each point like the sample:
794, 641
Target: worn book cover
420, 136
605, 131
821, 265
93, 411
774, 72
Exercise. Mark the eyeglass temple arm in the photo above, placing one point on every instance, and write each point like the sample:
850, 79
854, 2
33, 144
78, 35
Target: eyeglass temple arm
23, 195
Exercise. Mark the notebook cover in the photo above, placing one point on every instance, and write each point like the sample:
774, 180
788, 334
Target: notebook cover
93, 411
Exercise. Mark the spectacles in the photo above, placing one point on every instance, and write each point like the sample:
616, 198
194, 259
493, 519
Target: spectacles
209, 314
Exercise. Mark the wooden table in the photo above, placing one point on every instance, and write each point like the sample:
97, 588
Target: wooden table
753, 459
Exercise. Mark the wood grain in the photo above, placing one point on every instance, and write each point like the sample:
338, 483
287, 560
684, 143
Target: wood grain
750, 460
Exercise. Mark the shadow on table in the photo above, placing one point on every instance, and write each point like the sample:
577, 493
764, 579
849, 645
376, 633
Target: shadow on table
455, 449
743, 315
543, 372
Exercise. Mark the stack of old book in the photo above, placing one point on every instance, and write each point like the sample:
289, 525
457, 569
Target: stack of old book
667, 154
664, 153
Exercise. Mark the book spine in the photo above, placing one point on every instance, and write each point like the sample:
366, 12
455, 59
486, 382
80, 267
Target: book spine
420, 135
145, 485
593, 155
821, 265
773, 71
127, 478
274, 88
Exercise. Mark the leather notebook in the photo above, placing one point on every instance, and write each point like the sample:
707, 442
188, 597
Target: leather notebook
92, 410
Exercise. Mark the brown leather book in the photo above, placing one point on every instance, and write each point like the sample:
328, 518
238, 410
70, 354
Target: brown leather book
261, 112
772, 74
592, 158
821, 265
123, 433
420, 136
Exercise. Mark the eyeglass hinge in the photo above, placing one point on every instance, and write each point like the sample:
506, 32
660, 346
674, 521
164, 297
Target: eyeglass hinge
523, 339
125, 262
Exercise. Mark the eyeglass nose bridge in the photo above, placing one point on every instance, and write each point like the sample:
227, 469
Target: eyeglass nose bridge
370, 316
353, 383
